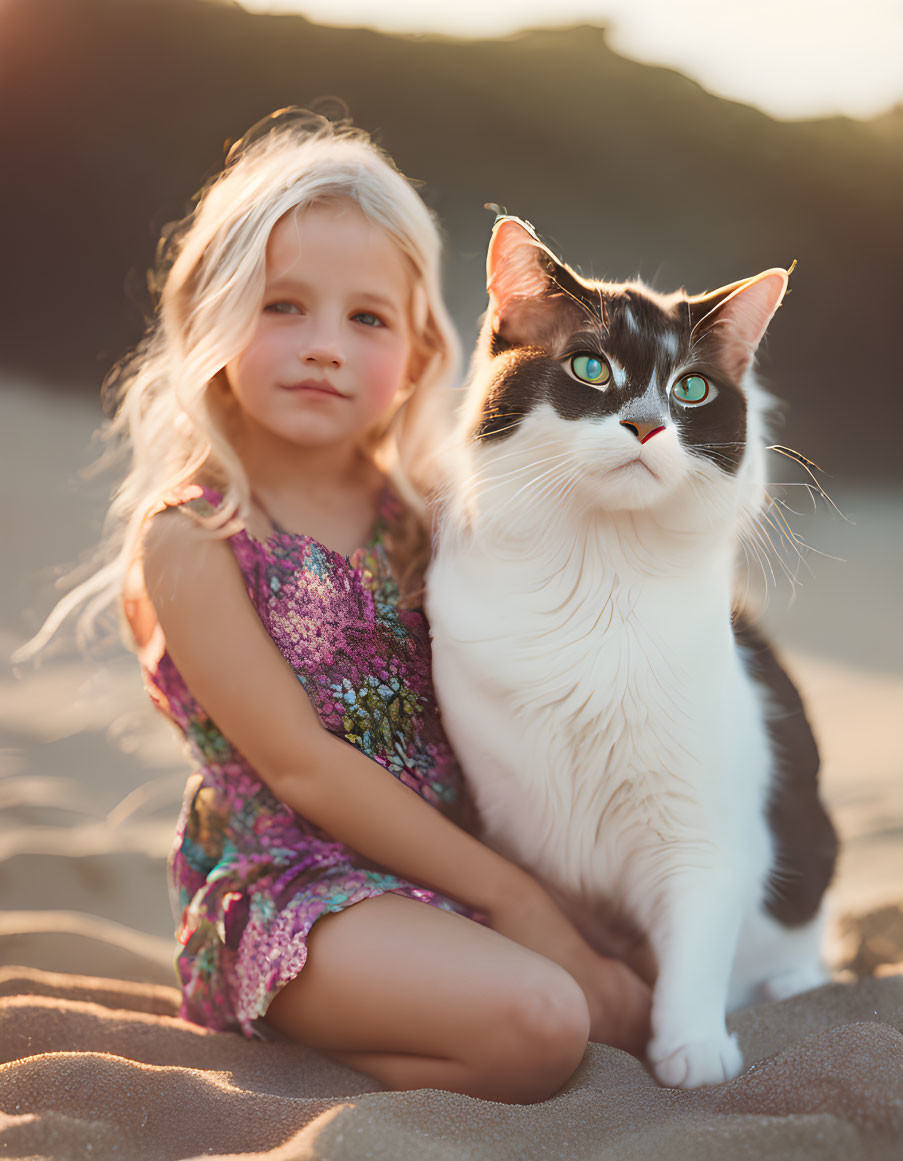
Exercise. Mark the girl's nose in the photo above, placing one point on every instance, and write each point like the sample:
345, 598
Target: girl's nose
322, 355
322, 346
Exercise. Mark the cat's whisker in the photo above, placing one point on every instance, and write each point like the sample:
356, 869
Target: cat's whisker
807, 465
491, 477
811, 491
570, 485
769, 548
749, 537
793, 454
495, 412
787, 507
818, 552
780, 521
754, 533
743, 601
713, 455
509, 501
486, 473
552, 481
490, 483
499, 430
554, 485
522, 452
753, 560
551, 487
793, 577
796, 542
793, 573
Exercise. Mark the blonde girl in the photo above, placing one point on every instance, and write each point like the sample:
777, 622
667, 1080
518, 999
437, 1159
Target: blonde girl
268, 546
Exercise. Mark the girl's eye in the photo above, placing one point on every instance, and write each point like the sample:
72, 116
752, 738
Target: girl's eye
368, 319
591, 369
282, 307
692, 389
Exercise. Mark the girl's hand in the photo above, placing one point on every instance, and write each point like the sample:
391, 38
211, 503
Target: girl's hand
620, 1003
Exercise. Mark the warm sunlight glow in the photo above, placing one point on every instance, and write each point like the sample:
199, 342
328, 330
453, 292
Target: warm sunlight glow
792, 58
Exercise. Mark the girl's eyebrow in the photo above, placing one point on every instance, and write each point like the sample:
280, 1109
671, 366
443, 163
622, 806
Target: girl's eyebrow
288, 283
380, 299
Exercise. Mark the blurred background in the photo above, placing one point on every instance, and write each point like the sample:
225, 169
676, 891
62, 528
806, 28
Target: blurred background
687, 142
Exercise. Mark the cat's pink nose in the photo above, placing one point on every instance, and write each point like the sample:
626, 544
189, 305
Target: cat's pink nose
642, 431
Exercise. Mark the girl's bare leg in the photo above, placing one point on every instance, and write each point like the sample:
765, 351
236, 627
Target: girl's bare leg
417, 997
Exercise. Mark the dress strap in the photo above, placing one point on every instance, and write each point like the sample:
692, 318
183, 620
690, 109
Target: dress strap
274, 523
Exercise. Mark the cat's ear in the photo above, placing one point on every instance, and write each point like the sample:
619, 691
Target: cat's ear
519, 272
737, 316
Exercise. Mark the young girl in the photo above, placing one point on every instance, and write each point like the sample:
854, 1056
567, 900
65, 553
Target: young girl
280, 413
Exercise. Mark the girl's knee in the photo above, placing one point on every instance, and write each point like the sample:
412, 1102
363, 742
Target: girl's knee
550, 1021
554, 1012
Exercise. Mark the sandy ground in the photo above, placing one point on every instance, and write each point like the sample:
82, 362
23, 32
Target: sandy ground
93, 1059
91, 776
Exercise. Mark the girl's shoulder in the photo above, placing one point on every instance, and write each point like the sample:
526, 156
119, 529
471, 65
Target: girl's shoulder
178, 536
196, 500
189, 499
174, 557
198, 497
169, 534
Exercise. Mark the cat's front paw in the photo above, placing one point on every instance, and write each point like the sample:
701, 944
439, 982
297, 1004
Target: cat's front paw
698, 1062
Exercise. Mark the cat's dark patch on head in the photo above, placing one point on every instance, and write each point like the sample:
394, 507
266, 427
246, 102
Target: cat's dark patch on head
805, 839
650, 336
647, 335
519, 381
582, 294
511, 395
717, 430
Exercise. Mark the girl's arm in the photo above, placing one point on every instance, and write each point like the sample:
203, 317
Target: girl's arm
236, 672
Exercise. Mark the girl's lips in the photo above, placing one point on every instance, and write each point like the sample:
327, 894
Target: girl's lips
319, 385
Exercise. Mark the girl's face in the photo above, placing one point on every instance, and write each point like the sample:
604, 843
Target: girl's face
333, 342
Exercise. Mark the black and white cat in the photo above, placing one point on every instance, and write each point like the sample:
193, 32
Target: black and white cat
628, 736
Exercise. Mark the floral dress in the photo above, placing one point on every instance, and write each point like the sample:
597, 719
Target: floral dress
248, 875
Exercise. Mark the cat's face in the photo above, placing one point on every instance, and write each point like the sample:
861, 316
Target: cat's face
635, 393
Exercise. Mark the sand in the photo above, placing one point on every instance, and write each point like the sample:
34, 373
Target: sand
103, 1070
95, 1063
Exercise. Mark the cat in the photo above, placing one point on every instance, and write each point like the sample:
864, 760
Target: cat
626, 732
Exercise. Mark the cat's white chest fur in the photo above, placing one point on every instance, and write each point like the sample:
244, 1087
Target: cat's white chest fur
602, 713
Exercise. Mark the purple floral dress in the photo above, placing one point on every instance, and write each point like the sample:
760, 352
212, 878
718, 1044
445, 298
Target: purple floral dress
248, 875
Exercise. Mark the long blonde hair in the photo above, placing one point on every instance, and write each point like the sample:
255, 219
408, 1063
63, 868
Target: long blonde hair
208, 284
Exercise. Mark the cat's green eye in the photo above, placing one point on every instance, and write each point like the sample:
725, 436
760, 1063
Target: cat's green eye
691, 389
590, 369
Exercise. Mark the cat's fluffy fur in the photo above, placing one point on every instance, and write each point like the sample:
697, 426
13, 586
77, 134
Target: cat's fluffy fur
618, 739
